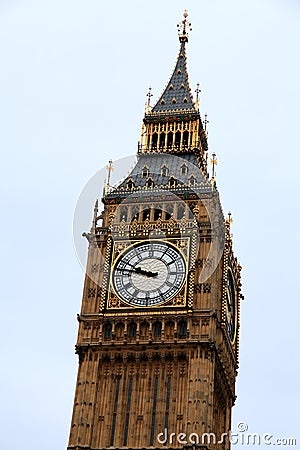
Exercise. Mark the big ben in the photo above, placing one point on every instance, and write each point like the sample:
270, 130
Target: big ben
159, 323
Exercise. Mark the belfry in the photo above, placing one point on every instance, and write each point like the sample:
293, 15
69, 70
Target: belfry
159, 323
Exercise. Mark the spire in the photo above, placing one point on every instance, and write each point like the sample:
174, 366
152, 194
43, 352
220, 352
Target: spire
177, 95
174, 124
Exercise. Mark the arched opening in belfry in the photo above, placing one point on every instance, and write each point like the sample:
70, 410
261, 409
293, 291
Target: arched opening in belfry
154, 140
123, 213
185, 138
177, 138
169, 139
157, 214
135, 213
162, 140
146, 214
180, 211
169, 211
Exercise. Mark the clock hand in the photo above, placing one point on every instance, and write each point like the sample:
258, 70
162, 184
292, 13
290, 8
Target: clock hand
145, 272
140, 271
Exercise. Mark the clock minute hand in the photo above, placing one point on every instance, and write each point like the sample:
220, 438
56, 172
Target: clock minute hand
140, 271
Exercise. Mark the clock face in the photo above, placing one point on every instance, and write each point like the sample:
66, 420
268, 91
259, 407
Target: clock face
149, 273
230, 306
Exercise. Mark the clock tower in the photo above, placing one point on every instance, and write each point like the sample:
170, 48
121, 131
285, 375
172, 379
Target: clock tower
158, 327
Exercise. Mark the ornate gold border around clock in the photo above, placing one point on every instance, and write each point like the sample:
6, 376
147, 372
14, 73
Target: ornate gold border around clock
182, 292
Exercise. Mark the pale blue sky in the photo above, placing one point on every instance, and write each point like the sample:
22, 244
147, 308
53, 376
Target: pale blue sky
71, 70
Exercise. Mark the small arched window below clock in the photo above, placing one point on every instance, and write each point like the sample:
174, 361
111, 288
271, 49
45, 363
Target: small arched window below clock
169, 329
157, 329
182, 328
132, 330
119, 330
107, 330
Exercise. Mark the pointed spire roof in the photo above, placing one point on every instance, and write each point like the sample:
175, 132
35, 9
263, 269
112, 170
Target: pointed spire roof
177, 95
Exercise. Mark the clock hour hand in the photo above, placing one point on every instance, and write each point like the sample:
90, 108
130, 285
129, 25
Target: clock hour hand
145, 272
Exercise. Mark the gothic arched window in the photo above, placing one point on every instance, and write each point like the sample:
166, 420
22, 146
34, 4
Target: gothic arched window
157, 214
145, 172
107, 330
180, 211
164, 171
185, 138
144, 329
119, 330
182, 328
132, 330
154, 140
123, 213
157, 329
146, 214
130, 184
177, 138
184, 169
192, 180
169, 139
169, 329
172, 182
162, 140
150, 183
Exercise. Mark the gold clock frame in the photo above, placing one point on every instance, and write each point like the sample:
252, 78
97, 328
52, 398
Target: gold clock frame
181, 244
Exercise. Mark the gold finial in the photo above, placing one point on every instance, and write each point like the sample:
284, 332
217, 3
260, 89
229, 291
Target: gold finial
109, 169
198, 90
205, 123
149, 95
147, 106
214, 162
183, 26
229, 220
94, 224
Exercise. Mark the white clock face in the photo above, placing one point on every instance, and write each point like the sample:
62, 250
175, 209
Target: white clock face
149, 273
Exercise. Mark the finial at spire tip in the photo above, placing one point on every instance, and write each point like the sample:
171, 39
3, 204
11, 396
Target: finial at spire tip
183, 26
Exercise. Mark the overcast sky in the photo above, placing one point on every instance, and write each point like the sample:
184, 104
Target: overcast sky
73, 83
